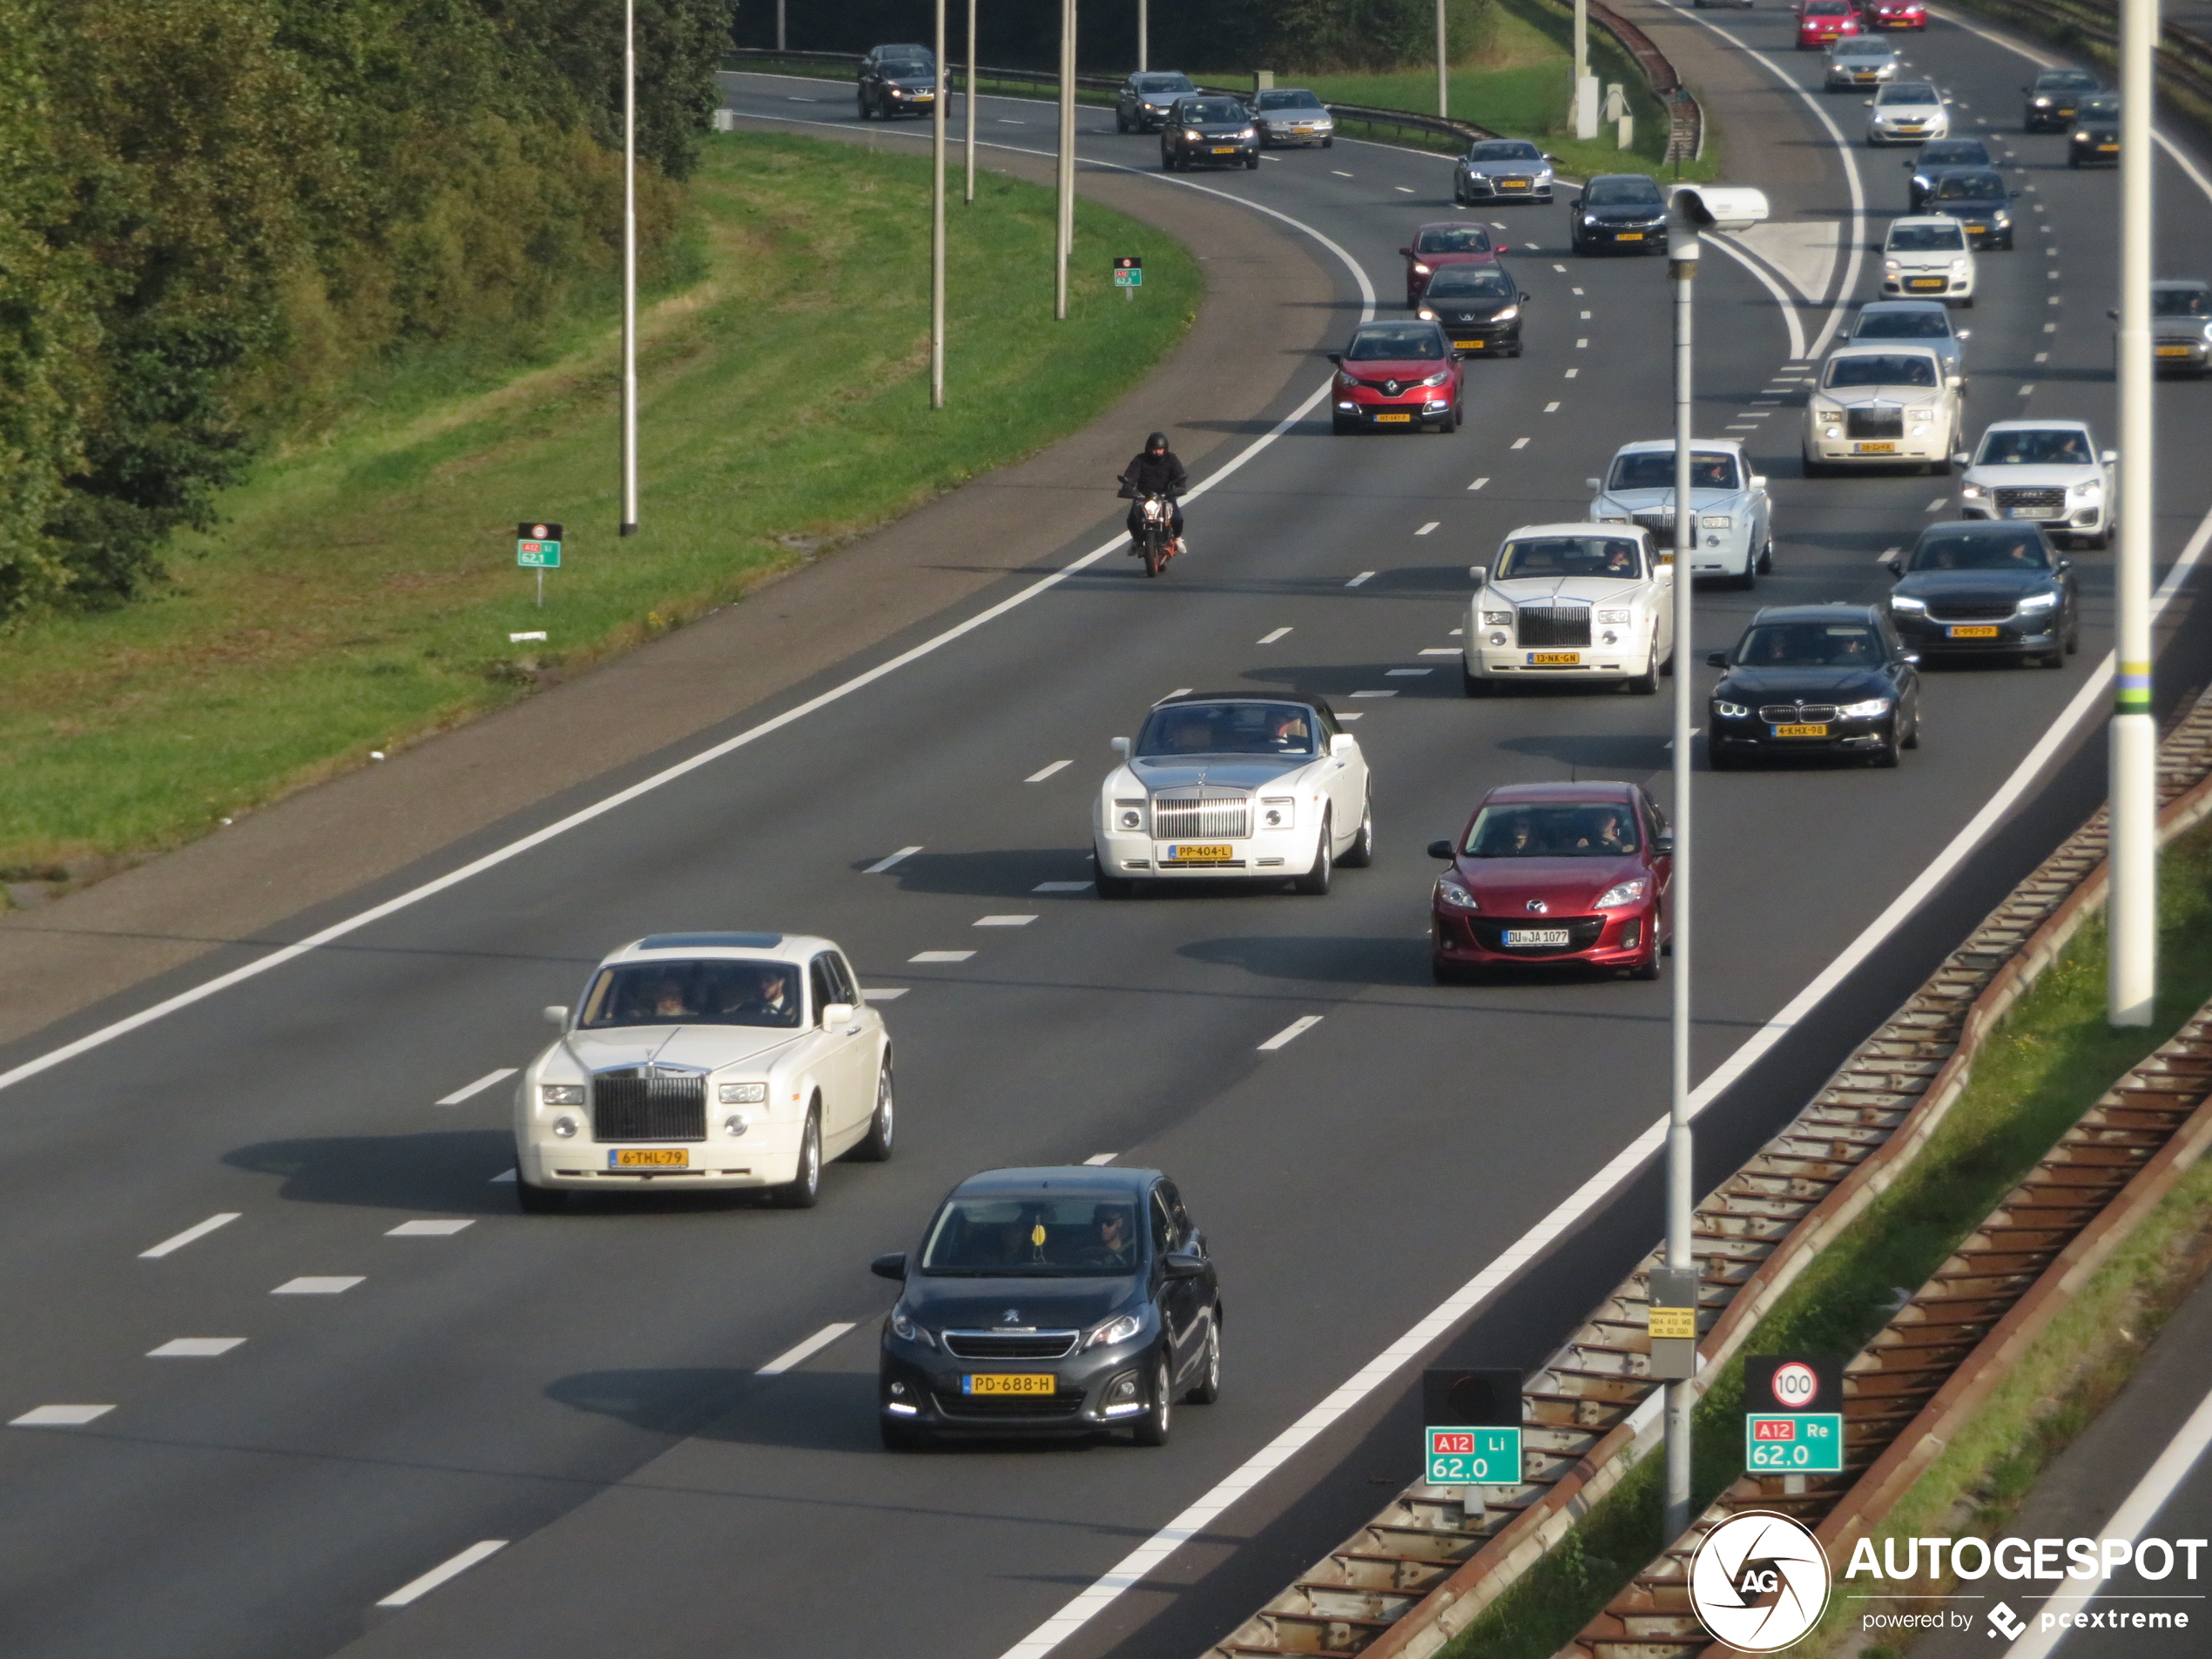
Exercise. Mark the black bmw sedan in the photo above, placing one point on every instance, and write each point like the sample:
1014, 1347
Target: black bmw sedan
1814, 679
1621, 211
1208, 131
1976, 586
1071, 1300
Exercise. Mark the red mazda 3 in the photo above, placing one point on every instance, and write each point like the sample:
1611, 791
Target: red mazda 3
1451, 241
1554, 872
1396, 373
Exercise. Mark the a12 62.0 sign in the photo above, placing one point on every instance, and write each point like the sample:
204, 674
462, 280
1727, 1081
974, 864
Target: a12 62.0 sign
1794, 1443
1474, 1457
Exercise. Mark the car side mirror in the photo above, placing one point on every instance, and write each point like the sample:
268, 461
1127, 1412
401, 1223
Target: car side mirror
1343, 743
1717, 660
1893, 565
1758, 480
1405, 253
1337, 357
1911, 657
1594, 483
2110, 457
1459, 356
1184, 1264
1954, 382
1480, 572
1122, 746
1962, 459
893, 1265
556, 1017
1526, 298
1962, 333
1908, 166
837, 1013
1440, 850
2063, 565
2114, 315
1663, 846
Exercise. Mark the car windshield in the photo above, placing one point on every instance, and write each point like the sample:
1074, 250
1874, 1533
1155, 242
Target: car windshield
2065, 80
1033, 1238
1968, 186
2181, 303
1857, 48
1164, 83
1547, 556
1453, 238
1289, 101
1214, 111
1505, 150
1621, 192
1655, 469
1927, 238
1809, 644
1952, 152
1906, 93
1228, 728
2044, 447
1396, 342
2100, 109
1471, 282
729, 991
1882, 369
1563, 830
1828, 8
1996, 550
1903, 325
906, 66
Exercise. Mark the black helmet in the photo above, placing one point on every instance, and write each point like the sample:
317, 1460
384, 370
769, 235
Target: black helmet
1157, 440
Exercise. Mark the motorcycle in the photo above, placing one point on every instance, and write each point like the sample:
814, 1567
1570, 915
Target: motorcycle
1155, 538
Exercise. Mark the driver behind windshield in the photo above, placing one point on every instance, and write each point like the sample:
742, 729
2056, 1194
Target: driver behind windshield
1396, 343
1228, 728
2059, 448
1569, 555
1808, 645
2006, 550
1455, 238
727, 991
1566, 830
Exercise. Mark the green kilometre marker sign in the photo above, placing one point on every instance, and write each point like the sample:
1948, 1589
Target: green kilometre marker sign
538, 547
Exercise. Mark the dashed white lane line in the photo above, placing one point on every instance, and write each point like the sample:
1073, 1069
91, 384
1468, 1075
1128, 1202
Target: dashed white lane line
812, 1346
941, 956
2050, 328
1562, 271
1440, 651
1549, 409
1061, 886
1291, 1032
1518, 443
1578, 291
1937, 504
1270, 638
1586, 316
1477, 484
195, 1347
1044, 773
478, 1086
1184, 690
1356, 580
1005, 921
168, 1245
317, 1285
441, 1228
505, 1179
892, 993
2028, 388
1403, 190
1097, 1158
1340, 173
2051, 275
881, 864
1571, 373
58, 1416
415, 1589
2051, 300
1582, 344
1430, 528
1356, 716
1375, 694
1407, 673
1497, 224
2042, 357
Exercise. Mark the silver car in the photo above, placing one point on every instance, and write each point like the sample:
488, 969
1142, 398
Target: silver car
2181, 324
2049, 471
1291, 115
1860, 60
1926, 322
1503, 170
1735, 517
1907, 113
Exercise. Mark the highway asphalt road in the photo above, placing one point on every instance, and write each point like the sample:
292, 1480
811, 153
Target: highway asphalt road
585, 1386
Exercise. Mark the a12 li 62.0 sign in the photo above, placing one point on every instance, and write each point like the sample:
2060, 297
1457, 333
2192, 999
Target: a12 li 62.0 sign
1472, 1427
1793, 1417
538, 547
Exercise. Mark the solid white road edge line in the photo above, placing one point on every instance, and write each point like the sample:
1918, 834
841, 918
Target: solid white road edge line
189, 1234
812, 1346
1727, 245
1202, 1515
478, 1086
415, 1589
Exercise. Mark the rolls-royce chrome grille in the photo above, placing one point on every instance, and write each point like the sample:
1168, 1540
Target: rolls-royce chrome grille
1796, 713
1010, 1345
1543, 626
1202, 820
660, 1106
1874, 420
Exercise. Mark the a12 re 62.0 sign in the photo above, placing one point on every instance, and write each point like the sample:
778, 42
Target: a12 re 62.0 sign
1793, 1415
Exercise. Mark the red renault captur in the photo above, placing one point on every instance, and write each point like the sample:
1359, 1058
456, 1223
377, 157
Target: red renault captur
1822, 21
1396, 373
1554, 872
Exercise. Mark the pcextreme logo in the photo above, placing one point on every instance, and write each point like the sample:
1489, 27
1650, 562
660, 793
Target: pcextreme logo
1759, 1581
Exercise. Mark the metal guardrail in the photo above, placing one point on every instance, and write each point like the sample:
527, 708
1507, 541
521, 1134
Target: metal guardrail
1685, 117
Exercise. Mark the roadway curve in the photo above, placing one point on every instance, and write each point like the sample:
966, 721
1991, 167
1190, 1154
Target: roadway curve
585, 1385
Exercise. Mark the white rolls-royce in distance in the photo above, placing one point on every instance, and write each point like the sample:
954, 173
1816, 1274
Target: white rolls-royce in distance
1880, 404
1734, 518
1228, 784
725, 1060
1566, 602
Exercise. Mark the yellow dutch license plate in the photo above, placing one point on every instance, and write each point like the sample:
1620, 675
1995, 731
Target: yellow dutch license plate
650, 1157
1924, 282
1627, 236
1467, 344
2107, 149
1972, 633
1393, 417
1224, 149
1882, 448
1514, 184
1201, 855
1555, 660
2172, 351
1977, 230
1801, 732
1009, 1382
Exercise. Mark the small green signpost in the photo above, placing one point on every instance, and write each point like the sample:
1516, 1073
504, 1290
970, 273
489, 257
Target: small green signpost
1128, 275
1473, 1456
1786, 1430
1471, 1427
538, 547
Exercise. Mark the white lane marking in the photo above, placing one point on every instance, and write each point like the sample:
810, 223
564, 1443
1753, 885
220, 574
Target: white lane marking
1549, 409
1061, 886
812, 1346
1938, 504
415, 1589
1200, 1516
1440, 651
1008, 121
1571, 373
2027, 390
941, 956
498, 856
1586, 317
2136, 1511
169, 1246
1291, 1032
1269, 640
1562, 271
1428, 528
315, 1285
1396, 672
194, 1347
1576, 291
1518, 443
892, 993
503, 1180
1040, 775
1389, 693
1180, 690
792, 98
441, 1228
1403, 190
881, 864
58, 1416
1340, 173
2042, 357
1584, 344
2050, 328
2051, 275
1356, 580
1790, 317
2053, 300
1351, 717
478, 1086
1477, 484
1497, 224
1750, 414
1096, 1158
1005, 921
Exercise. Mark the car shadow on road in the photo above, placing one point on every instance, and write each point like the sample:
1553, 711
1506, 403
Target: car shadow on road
1332, 959
1630, 756
1342, 682
445, 1169
1000, 872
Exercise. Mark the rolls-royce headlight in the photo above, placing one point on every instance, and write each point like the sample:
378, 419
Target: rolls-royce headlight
1118, 1330
560, 1094
735, 1124
1831, 431
1622, 893
1717, 521
1498, 638
1615, 616
1456, 894
1497, 619
1729, 710
742, 1094
1278, 812
1873, 709
1131, 819
565, 1127
904, 1328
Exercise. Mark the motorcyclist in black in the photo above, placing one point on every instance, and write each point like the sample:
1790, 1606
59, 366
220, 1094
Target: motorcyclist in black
1155, 471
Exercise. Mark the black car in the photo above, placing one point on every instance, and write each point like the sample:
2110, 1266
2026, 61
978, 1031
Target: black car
1070, 1300
1976, 197
2094, 141
897, 80
1478, 306
1944, 153
1814, 679
2056, 95
1977, 586
1618, 210
1142, 102
1210, 130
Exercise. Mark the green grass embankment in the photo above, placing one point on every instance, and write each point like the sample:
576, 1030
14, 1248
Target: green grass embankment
361, 588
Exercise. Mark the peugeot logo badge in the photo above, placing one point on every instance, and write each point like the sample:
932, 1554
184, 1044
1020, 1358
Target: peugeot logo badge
1539, 908
1012, 1315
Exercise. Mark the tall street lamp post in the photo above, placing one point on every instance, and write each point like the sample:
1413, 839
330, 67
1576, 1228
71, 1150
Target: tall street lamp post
937, 217
629, 267
1064, 237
